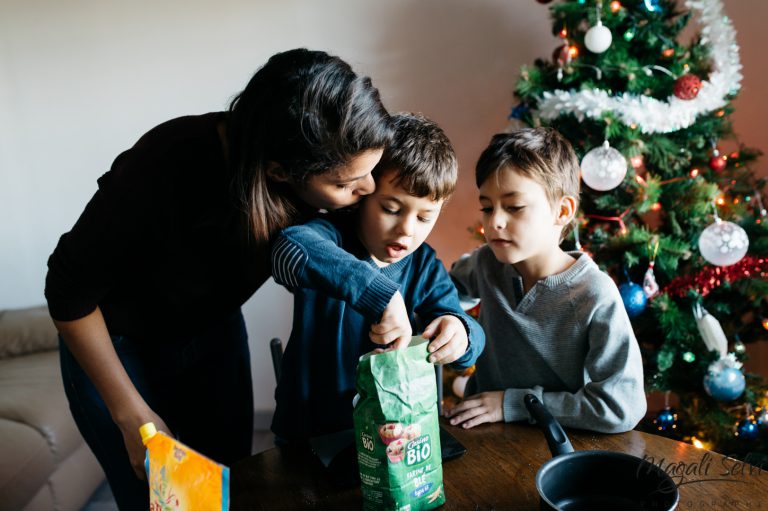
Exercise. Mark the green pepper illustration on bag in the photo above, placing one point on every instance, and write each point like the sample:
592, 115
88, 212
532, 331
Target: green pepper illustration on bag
397, 431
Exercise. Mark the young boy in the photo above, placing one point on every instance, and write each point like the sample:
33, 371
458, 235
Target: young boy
374, 270
555, 323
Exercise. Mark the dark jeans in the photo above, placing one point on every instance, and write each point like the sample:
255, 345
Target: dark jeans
200, 386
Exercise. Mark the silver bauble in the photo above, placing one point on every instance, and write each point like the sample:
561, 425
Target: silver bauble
598, 38
603, 168
723, 243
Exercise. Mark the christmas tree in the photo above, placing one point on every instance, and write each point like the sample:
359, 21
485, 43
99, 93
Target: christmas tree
680, 226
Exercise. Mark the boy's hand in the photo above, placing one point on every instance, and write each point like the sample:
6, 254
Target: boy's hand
394, 328
448, 339
477, 409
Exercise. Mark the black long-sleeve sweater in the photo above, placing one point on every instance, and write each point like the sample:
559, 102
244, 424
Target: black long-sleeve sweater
161, 247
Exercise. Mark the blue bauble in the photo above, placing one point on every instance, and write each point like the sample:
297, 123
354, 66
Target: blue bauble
518, 111
726, 384
634, 298
762, 417
652, 5
666, 419
747, 429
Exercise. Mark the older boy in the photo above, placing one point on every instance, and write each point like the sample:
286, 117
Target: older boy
344, 280
555, 323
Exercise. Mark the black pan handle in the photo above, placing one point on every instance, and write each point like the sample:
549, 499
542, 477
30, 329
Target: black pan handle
556, 438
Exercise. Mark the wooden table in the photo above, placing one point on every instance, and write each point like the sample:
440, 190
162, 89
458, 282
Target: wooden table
499, 471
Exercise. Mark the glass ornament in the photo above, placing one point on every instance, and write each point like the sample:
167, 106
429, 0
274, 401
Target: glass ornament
634, 298
761, 416
724, 383
687, 87
598, 38
603, 168
665, 420
652, 5
723, 243
650, 286
747, 429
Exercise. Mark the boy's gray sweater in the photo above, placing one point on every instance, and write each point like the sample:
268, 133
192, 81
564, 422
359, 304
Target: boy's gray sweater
568, 341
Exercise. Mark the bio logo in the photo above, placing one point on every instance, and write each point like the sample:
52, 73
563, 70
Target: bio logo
418, 450
367, 441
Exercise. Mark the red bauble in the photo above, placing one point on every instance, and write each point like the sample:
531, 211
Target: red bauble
717, 163
687, 87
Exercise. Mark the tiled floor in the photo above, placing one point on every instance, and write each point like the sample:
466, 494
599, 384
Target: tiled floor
102, 499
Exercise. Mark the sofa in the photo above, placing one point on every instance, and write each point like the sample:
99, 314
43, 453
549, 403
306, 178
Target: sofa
44, 462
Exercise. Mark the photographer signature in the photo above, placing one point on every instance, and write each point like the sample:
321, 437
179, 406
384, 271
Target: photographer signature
706, 469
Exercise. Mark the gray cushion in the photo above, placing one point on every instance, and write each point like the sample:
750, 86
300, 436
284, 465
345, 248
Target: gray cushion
25, 465
32, 393
25, 331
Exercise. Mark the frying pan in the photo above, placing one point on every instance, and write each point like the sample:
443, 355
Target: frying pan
596, 480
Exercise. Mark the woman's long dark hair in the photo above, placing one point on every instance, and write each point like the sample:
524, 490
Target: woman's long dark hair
308, 112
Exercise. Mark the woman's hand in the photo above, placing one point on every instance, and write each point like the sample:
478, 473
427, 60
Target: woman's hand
394, 328
448, 339
90, 343
477, 409
129, 427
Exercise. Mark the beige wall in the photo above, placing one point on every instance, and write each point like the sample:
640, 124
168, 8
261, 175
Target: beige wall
749, 18
81, 80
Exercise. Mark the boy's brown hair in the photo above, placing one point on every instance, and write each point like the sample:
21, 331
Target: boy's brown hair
541, 154
421, 156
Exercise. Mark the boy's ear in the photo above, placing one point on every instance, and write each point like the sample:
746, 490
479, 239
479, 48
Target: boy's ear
566, 210
276, 172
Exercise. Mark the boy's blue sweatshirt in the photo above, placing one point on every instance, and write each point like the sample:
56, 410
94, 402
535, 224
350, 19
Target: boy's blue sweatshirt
338, 293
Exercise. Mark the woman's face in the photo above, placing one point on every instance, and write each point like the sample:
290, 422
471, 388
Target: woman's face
341, 186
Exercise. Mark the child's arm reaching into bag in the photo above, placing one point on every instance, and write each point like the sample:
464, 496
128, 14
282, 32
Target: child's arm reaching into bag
449, 340
310, 256
455, 337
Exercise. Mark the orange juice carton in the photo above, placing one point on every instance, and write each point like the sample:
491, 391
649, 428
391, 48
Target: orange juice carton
181, 479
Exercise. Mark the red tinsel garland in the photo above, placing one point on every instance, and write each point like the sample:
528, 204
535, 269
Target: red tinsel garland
712, 277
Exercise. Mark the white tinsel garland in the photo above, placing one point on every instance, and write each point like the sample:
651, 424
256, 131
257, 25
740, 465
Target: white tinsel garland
652, 115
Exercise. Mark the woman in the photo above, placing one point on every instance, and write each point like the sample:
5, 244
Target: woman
146, 288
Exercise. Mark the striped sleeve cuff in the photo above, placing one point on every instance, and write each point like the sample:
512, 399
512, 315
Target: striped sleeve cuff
377, 296
288, 260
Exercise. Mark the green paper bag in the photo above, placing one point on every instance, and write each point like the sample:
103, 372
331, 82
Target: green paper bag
397, 432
